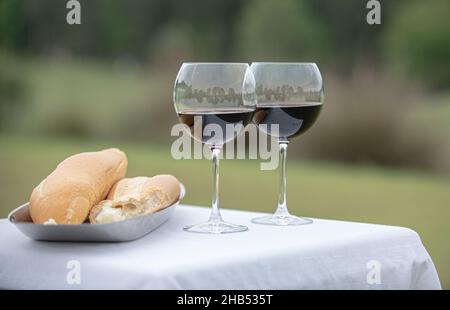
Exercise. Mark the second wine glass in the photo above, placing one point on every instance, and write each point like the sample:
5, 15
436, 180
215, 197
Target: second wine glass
210, 98
290, 97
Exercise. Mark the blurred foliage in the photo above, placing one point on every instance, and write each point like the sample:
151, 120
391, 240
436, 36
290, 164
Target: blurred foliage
414, 35
109, 29
373, 119
350, 39
112, 76
12, 24
418, 41
368, 117
262, 35
12, 95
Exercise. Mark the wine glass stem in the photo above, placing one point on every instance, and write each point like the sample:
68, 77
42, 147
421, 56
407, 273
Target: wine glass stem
215, 213
282, 206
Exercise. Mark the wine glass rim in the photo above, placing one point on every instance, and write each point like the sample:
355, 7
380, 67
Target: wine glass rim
283, 63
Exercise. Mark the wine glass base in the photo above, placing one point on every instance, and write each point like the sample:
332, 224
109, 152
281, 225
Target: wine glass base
214, 227
278, 220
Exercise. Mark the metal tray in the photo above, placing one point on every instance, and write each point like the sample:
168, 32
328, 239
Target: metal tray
127, 230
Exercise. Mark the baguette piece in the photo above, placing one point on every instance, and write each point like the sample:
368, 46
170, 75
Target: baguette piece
75, 186
136, 197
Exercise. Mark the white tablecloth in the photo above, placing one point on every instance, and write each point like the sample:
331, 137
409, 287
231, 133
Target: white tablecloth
323, 255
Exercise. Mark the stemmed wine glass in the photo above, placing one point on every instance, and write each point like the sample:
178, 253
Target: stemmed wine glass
290, 96
216, 101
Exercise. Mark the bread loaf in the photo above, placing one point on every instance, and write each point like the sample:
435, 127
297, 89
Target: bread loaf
135, 197
76, 185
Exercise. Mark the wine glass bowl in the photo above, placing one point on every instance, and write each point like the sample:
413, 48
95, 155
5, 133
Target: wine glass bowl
289, 101
215, 101
217, 94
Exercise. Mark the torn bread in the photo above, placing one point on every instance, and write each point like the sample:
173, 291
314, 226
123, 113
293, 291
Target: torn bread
136, 197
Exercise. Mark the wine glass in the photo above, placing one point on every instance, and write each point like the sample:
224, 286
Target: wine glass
289, 96
215, 101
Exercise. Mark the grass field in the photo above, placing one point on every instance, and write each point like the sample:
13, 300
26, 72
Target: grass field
357, 193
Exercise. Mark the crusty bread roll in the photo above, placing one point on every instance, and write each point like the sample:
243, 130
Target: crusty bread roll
75, 186
136, 196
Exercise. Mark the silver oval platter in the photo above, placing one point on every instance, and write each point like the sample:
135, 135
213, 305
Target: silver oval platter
127, 230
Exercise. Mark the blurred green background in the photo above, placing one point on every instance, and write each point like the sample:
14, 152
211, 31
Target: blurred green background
379, 153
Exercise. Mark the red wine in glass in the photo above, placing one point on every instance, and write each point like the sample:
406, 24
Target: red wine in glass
225, 119
292, 120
